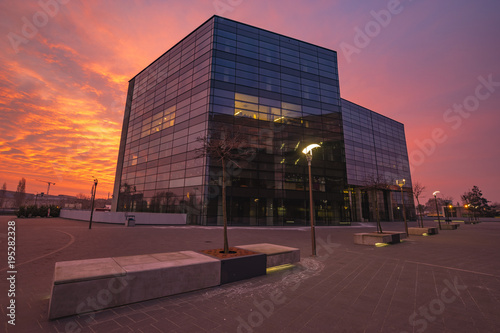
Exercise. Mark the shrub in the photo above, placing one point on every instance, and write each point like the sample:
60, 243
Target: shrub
21, 212
31, 211
42, 211
54, 211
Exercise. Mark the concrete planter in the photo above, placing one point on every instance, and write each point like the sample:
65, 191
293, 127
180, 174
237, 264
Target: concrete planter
425, 230
239, 265
451, 226
372, 238
276, 254
241, 268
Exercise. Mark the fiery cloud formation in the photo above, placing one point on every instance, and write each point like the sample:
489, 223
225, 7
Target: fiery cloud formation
66, 64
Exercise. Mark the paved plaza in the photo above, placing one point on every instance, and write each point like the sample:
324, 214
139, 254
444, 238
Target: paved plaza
449, 282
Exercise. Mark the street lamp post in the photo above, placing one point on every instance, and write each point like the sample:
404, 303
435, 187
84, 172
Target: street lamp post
437, 209
94, 190
308, 152
450, 213
466, 206
401, 183
36, 198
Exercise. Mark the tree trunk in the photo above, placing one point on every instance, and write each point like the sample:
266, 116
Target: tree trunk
379, 226
420, 213
224, 211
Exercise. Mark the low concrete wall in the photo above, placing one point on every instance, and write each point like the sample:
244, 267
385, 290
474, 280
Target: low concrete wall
121, 217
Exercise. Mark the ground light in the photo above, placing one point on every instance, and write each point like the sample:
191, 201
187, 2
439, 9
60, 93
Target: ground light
280, 268
308, 152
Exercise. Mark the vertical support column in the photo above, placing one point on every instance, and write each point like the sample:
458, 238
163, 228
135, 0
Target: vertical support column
359, 207
390, 207
269, 212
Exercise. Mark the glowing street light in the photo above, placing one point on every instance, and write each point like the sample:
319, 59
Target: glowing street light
467, 207
401, 183
437, 209
308, 152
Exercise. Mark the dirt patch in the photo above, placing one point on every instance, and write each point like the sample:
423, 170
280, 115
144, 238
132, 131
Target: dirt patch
233, 252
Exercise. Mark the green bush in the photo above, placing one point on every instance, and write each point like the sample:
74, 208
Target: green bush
54, 211
31, 211
42, 211
21, 212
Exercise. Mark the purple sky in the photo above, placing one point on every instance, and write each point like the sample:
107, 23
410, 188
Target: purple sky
432, 65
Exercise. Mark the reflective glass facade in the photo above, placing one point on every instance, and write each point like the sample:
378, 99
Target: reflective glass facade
375, 149
280, 94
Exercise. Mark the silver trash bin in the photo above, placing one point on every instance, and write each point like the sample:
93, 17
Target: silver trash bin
131, 221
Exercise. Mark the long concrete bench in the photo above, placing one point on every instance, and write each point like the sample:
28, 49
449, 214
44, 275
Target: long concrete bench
372, 238
424, 230
87, 285
82, 286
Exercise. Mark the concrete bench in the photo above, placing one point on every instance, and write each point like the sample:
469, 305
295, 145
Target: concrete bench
372, 238
87, 285
276, 254
449, 226
82, 286
424, 230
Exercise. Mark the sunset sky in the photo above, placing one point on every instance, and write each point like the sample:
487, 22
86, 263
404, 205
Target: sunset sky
64, 77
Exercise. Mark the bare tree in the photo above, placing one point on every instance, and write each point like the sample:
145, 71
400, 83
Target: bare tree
375, 184
417, 190
225, 147
20, 194
3, 193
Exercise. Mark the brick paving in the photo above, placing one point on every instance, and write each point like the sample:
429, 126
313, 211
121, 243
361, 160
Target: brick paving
444, 283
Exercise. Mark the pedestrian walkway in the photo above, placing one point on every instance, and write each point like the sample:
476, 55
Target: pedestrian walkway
444, 283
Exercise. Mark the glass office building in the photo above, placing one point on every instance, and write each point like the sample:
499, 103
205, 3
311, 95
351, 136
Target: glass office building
279, 95
376, 155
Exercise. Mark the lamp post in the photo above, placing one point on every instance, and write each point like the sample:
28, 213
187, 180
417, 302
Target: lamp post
466, 206
401, 183
450, 213
308, 152
94, 190
437, 209
36, 197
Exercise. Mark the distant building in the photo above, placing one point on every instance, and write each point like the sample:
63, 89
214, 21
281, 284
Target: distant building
280, 94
